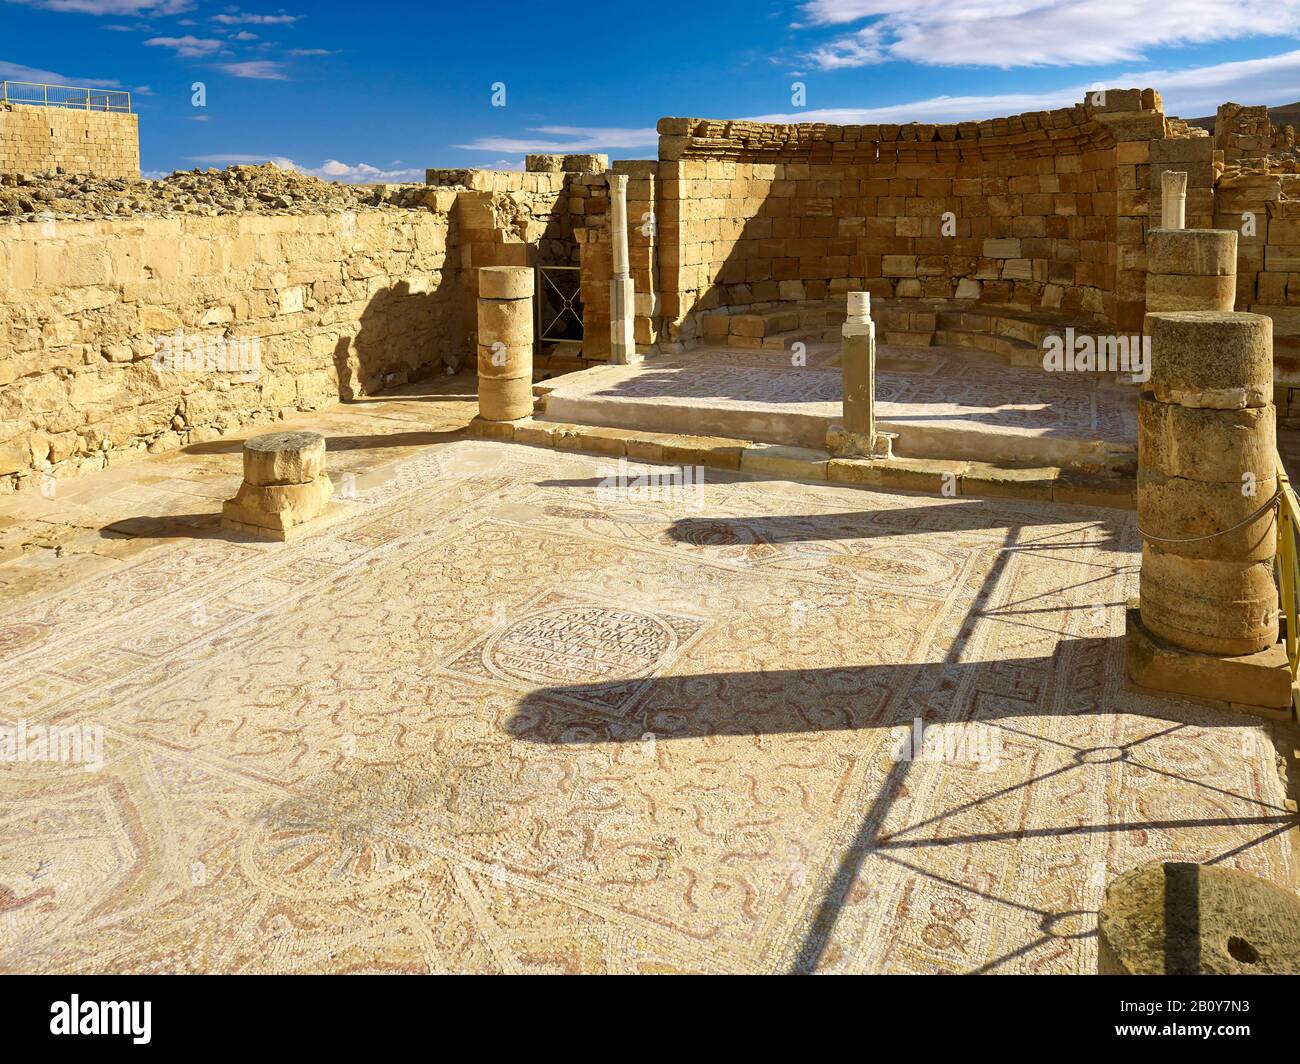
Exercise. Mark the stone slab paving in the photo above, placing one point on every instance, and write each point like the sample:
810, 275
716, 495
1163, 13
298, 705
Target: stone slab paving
500, 720
944, 402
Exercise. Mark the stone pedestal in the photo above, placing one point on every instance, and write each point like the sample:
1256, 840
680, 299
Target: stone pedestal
1226, 679
858, 437
505, 343
622, 321
284, 487
1206, 469
1175, 918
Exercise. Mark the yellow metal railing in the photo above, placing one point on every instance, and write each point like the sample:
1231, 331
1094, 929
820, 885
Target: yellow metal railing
35, 95
1288, 572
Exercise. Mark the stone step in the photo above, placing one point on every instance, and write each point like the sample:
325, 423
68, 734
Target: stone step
752, 324
945, 477
1013, 328
1012, 351
908, 339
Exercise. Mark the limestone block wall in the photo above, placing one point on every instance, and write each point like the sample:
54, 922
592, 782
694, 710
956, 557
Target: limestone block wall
1043, 209
555, 217
334, 306
506, 218
880, 227
1264, 209
106, 143
589, 204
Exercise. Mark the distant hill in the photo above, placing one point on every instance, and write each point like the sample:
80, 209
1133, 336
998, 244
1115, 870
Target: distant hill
1288, 114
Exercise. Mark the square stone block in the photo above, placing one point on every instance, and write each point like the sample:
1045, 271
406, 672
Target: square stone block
1254, 683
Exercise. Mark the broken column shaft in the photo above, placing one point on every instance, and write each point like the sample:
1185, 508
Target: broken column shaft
505, 343
1205, 465
858, 363
858, 437
1207, 476
285, 485
622, 292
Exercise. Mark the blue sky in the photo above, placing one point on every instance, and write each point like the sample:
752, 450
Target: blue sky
379, 91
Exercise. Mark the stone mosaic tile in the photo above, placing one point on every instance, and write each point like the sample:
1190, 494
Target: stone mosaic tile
498, 722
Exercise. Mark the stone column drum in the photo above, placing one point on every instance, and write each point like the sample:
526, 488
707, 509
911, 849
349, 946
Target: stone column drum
505, 343
1206, 465
1191, 269
284, 486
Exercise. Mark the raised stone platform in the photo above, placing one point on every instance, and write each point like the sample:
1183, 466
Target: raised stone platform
942, 402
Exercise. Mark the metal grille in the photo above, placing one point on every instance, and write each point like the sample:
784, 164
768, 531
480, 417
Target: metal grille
1288, 575
34, 95
559, 304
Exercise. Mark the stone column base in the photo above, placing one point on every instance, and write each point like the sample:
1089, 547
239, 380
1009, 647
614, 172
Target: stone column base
1250, 683
844, 444
333, 512
285, 486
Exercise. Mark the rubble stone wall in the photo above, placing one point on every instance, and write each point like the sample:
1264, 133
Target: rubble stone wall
1244, 134
334, 305
106, 143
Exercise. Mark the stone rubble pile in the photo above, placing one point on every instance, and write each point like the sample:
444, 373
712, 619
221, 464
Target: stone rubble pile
265, 189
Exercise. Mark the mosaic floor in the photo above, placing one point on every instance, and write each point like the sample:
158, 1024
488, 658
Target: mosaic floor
923, 393
507, 717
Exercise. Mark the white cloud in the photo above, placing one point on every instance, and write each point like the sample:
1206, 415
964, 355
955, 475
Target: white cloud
18, 72
1193, 92
235, 17
111, 7
1272, 79
330, 170
297, 52
1017, 33
259, 69
577, 139
358, 173
188, 46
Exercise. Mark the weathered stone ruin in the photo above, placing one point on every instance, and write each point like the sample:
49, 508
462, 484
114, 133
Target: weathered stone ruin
143, 316
993, 408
